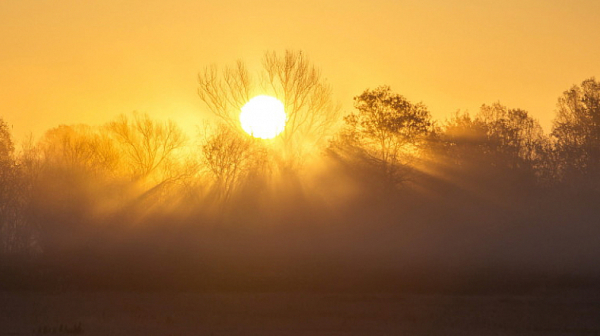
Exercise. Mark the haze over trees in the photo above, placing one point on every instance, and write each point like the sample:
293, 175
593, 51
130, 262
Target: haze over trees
390, 193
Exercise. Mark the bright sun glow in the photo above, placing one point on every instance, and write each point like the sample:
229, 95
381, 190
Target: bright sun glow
263, 117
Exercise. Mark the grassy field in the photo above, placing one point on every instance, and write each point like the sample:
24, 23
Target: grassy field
130, 313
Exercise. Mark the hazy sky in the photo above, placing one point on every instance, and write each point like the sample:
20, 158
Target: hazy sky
76, 61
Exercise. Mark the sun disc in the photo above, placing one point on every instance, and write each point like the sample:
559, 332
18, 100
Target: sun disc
263, 117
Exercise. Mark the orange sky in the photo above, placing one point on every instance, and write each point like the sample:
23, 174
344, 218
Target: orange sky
74, 61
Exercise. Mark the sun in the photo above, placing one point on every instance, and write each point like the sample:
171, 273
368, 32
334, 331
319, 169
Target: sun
263, 117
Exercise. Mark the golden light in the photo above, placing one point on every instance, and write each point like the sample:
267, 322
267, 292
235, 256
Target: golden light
263, 117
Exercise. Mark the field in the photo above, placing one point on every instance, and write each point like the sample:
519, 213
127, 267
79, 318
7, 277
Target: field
145, 313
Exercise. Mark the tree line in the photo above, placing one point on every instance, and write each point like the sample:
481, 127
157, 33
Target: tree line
135, 169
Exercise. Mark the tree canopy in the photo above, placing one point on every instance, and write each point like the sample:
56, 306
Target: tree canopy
576, 131
387, 131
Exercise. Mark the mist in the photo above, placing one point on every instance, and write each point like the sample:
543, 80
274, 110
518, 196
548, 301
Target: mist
482, 203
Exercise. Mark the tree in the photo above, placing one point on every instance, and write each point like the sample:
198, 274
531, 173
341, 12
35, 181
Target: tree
16, 233
147, 146
225, 94
80, 148
229, 157
307, 98
388, 132
463, 137
7, 183
7, 146
514, 135
576, 132
497, 141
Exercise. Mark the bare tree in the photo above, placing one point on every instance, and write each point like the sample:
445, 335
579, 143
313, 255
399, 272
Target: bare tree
82, 148
230, 157
225, 93
307, 98
147, 146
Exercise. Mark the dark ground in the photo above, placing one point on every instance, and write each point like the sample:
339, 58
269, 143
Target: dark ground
297, 313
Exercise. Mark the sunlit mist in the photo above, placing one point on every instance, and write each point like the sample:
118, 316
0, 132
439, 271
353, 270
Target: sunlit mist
263, 117
299, 167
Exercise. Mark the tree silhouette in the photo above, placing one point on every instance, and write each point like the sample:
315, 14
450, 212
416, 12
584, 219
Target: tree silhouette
16, 232
230, 157
576, 132
147, 146
7, 146
7, 184
307, 98
514, 135
82, 149
225, 93
387, 132
498, 151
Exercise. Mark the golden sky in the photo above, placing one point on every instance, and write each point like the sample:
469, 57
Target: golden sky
87, 61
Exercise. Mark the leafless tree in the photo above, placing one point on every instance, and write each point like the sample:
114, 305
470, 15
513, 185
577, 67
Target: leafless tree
80, 148
230, 157
225, 93
307, 98
146, 146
